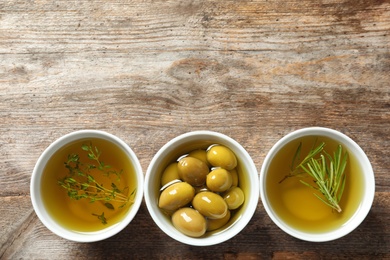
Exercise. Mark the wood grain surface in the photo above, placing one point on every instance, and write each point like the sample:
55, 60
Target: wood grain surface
148, 71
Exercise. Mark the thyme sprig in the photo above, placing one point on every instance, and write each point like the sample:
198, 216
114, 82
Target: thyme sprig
101, 217
80, 183
327, 172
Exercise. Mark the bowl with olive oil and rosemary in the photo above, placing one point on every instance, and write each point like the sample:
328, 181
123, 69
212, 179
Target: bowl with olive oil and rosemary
87, 186
317, 184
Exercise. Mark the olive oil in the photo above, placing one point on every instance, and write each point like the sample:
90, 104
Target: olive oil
81, 215
296, 204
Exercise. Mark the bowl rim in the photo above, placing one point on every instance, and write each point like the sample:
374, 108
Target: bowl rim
35, 183
222, 236
368, 175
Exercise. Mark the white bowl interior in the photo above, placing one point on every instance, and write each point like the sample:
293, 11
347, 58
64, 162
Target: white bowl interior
36, 197
187, 142
368, 193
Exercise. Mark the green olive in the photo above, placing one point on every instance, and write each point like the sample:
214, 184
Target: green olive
193, 171
170, 173
234, 197
234, 174
221, 156
201, 155
213, 224
200, 188
189, 222
219, 180
176, 196
210, 205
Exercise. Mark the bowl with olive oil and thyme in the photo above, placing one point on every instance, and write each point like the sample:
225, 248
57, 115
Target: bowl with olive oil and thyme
87, 186
201, 188
317, 184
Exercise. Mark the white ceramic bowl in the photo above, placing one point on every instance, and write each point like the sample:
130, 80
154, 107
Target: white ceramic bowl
36, 194
368, 190
184, 144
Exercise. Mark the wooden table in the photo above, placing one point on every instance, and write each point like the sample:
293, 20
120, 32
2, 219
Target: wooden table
148, 71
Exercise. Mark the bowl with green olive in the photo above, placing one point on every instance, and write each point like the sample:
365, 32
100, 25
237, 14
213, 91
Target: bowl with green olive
317, 184
201, 188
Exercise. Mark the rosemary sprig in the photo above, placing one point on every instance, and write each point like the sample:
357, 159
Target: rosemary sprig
295, 170
327, 173
80, 183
